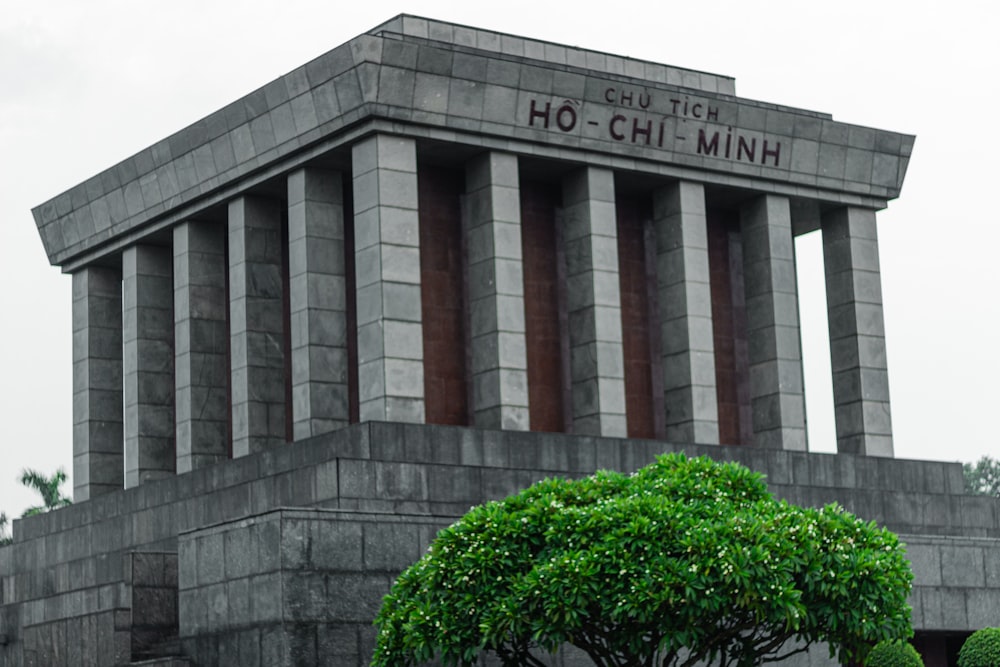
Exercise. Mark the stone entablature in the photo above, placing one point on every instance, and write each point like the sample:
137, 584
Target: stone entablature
477, 86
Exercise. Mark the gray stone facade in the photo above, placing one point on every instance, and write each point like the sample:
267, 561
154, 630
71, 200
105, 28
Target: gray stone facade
259, 306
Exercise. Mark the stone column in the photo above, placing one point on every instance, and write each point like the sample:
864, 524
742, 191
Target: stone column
256, 330
496, 293
200, 344
857, 332
594, 303
98, 446
318, 296
149, 363
685, 302
776, 394
387, 270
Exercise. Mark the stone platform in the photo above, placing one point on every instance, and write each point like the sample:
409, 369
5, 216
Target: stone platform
281, 557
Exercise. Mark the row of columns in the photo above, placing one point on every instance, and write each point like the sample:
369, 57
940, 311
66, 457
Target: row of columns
166, 340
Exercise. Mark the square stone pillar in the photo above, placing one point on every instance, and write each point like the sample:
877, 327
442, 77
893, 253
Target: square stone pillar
496, 293
685, 303
200, 345
597, 362
776, 393
318, 302
387, 270
148, 297
256, 324
857, 332
98, 445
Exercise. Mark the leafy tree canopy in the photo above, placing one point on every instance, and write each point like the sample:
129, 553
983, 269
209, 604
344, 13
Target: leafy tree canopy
982, 477
685, 561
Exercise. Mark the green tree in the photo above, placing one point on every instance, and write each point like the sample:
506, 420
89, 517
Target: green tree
48, 488
685, 561
982, 477
5, 539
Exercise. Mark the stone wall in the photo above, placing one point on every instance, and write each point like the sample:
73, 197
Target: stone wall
72, 595
293, 586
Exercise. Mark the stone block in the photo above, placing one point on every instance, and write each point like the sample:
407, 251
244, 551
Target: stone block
356, 478
356, 597
925, 559
304, 597
390, 547
240, 559
952, 606
981, 607
266, 599
963, 566
336, 546
400, 481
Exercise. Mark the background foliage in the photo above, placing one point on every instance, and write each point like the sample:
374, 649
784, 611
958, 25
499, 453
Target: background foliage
685, 561
982, 477
48, 488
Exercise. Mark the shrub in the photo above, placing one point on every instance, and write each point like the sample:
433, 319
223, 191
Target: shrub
896, 653
981, 649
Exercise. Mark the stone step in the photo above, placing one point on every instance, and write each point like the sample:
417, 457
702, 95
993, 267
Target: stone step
166, 653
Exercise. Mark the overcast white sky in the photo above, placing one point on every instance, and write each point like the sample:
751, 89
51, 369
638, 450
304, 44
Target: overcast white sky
86, 84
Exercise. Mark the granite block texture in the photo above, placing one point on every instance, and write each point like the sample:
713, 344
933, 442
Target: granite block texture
493, 247
857, 332
98, 403
148, 340
387, 270
597, 367
685, 302
318, 302
776, 387
200, 344
256, 330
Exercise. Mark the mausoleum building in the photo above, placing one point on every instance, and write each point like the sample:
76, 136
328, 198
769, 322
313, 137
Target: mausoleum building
427, 269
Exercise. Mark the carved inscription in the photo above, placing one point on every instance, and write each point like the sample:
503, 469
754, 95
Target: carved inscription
675, 123
738, 147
